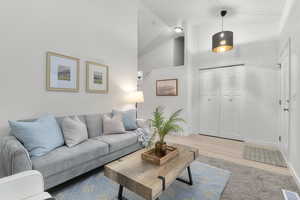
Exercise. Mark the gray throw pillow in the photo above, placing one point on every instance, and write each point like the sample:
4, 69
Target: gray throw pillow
113, 124
74, 131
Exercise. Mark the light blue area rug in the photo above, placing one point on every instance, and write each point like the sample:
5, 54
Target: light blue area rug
209, 183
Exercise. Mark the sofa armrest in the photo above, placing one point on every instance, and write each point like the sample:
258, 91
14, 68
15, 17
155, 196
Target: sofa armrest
14, 157
27, 185
141, 123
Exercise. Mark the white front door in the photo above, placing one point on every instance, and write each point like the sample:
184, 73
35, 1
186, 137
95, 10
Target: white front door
285, 102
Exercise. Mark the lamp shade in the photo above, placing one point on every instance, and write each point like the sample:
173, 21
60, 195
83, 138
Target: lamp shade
136, 97
222, 41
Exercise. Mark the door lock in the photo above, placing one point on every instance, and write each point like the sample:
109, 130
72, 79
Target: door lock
286, 110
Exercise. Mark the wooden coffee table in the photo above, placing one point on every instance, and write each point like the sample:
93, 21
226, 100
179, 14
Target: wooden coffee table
146, 179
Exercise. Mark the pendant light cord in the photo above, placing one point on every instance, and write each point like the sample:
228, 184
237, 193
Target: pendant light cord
223, 14
222, 23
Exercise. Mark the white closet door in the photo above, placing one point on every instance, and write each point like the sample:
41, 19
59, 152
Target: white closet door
209, 115
220, 98
230, 117
209, 82
209, 103
231, 80
230, 98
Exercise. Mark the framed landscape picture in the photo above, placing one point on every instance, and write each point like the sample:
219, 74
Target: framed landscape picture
96, 77
62, 73
167, 87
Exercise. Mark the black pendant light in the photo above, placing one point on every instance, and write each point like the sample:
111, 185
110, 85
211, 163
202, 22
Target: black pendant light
222, 41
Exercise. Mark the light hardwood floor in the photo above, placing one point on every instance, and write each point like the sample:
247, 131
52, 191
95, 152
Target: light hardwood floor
228, 150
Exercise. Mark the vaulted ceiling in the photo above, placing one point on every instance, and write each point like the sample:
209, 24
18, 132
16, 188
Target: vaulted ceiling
157, 17
197, 11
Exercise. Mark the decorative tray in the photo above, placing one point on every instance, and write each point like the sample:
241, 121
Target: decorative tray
151, 157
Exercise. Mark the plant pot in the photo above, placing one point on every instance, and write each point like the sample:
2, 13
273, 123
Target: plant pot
160, 149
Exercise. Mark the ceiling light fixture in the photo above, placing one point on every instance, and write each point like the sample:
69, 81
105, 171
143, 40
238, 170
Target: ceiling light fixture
222, 41
178, 29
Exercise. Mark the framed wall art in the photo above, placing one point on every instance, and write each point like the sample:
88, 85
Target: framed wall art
96, 77
167, 87
62, 73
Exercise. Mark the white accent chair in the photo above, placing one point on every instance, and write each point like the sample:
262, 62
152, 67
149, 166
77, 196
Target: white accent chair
27, 185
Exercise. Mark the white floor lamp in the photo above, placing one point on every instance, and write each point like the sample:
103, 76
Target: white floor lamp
136, 97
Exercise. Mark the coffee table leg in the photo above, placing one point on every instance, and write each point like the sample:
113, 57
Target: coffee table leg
120, 193
190, 181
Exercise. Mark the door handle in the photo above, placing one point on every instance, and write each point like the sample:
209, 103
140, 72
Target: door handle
286, 110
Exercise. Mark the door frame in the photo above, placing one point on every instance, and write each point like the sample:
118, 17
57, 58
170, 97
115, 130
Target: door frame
285, 51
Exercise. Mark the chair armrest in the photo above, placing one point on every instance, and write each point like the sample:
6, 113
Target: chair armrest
27, 185
14, 157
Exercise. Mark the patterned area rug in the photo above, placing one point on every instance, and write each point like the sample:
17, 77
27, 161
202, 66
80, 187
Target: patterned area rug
209, 183
267, 156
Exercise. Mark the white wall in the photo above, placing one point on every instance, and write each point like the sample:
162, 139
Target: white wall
291, 29
260, 107
97, 30
258, 50
156, 59
256, 45
156, 41
162, 52
170, 103
161, 55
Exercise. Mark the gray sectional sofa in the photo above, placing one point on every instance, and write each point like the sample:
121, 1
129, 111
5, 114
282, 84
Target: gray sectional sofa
65, 163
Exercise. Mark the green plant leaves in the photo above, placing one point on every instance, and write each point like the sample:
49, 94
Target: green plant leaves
163, 127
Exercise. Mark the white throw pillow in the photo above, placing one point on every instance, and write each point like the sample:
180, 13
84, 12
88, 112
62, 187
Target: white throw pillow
74, 131
113, 124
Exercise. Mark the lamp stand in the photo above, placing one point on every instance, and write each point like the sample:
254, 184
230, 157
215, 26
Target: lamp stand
136, 110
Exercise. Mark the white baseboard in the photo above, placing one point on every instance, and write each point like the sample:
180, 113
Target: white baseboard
294, 174
291, 168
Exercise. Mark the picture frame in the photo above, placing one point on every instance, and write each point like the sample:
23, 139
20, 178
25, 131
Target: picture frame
97, 78
62, 72
167, 87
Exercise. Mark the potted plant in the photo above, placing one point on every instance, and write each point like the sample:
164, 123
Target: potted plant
162, 127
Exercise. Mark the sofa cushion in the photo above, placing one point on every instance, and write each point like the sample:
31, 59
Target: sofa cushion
65, 158
94, 125
136, 132
118, 141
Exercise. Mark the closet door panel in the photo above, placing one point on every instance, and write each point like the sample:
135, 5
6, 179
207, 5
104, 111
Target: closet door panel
230, 117
230, 80
209, 102
209, 115
209, 83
